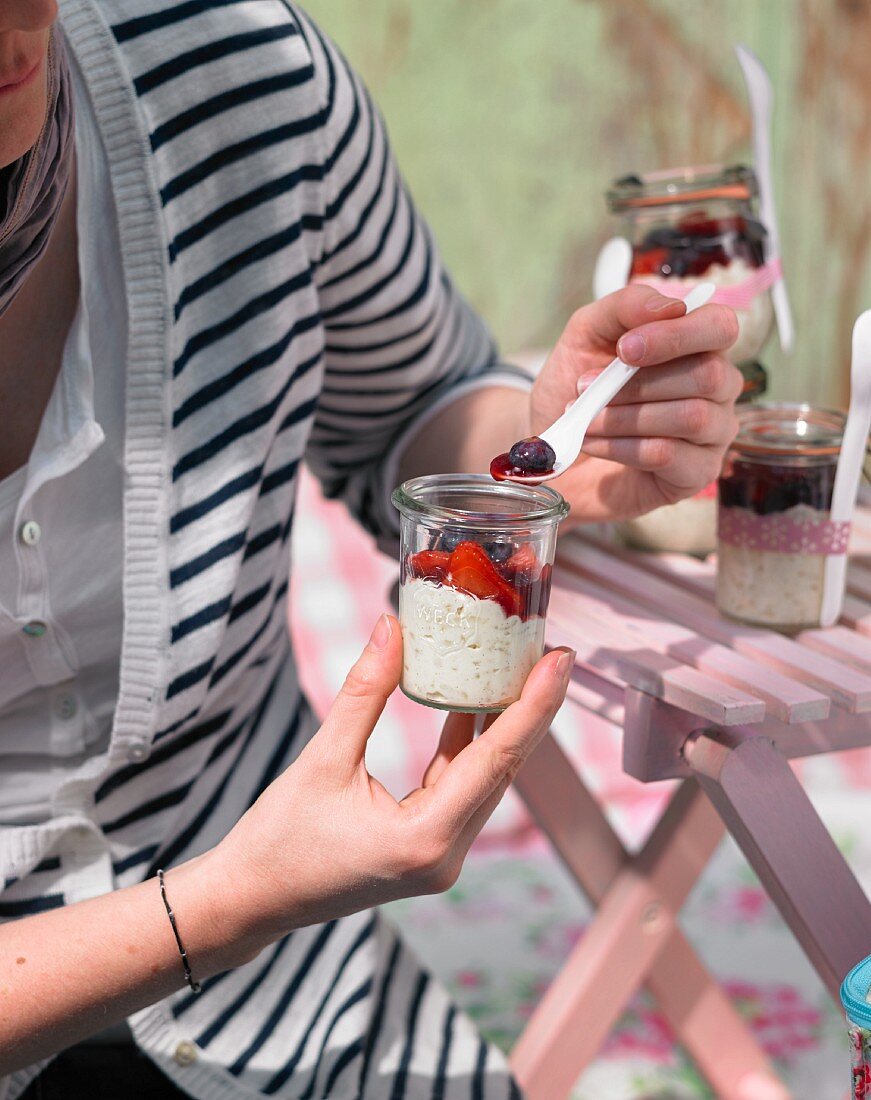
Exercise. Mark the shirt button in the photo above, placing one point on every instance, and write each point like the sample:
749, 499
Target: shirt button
65, 706
34, 629
30, 532
137, 754
185, 1053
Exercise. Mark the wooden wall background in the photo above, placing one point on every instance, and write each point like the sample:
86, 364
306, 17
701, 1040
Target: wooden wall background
509, 117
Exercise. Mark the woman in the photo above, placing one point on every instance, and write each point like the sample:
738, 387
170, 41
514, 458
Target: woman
209, 269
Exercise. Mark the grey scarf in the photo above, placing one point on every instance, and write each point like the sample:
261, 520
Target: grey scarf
32, 189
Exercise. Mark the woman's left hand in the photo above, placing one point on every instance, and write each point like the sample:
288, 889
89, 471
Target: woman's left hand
664, 435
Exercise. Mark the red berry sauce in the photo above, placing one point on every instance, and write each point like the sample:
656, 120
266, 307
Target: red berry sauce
503, 469
528, 458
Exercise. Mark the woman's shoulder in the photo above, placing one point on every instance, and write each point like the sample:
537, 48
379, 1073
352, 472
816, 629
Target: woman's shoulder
200, 48
187, 19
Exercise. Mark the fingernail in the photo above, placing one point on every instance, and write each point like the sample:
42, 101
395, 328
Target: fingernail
655, 305
563, 665
381, 634
631, 347
587, 380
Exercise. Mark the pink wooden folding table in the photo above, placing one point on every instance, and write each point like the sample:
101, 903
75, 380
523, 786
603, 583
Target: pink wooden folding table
722, 707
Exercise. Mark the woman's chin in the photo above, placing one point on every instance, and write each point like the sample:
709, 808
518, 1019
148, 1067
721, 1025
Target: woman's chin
22, 114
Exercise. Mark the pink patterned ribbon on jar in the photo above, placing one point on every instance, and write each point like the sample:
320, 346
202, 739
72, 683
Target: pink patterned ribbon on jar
737, 295
782, 533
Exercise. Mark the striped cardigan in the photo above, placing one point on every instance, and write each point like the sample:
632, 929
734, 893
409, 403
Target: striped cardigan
285, 302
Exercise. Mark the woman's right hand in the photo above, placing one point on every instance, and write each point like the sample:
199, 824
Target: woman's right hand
327, 839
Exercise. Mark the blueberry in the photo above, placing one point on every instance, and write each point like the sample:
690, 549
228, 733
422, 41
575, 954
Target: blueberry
451, 537
754, 229
797, 490
665, 236
708, 244
733, 492
751, 252
750, 243
499, 551
532, 455
774, 499
680, 261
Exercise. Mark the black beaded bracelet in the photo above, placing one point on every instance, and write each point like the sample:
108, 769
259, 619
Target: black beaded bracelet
188, 977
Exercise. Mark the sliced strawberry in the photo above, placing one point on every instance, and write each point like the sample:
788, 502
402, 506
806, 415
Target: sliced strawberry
471, 571
430, 565
649, 261
522, 564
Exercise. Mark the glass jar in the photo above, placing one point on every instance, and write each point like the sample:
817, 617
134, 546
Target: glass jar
475, 567
690, 526
773, 525
693, 225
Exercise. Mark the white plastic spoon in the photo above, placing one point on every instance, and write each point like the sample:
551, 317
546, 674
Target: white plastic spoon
566, 435
761, 99
849, 464
613, 265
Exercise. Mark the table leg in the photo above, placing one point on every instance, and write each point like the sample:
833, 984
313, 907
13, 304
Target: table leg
766, 810
634, 938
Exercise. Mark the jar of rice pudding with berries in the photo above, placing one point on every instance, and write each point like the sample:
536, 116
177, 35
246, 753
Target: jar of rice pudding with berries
475, 567
774, 529
688, 226
694, 225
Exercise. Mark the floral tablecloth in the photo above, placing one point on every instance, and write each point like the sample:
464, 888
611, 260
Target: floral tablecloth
500, 935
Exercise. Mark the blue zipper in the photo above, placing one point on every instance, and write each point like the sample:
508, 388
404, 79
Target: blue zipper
854, 990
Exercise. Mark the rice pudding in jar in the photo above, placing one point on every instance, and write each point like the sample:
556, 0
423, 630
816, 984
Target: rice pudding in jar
476, 560
693, 225
773, 525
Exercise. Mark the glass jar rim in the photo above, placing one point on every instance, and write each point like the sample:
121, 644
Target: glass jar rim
676, 185
789, 428
538, 504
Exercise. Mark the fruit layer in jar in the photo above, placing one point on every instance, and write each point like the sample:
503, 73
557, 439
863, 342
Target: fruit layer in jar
725, 251
472, 616
696, 243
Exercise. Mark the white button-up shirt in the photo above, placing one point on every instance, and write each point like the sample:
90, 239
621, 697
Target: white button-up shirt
61, 551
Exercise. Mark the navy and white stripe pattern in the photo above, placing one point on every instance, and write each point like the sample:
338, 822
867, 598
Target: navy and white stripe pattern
285, 303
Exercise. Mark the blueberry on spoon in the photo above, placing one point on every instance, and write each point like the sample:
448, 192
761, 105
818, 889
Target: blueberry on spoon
532, 457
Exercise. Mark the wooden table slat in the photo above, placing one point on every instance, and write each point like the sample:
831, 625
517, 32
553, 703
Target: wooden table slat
859, 580
856, 614
615, 652
843, 644
787, 699
846, 686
